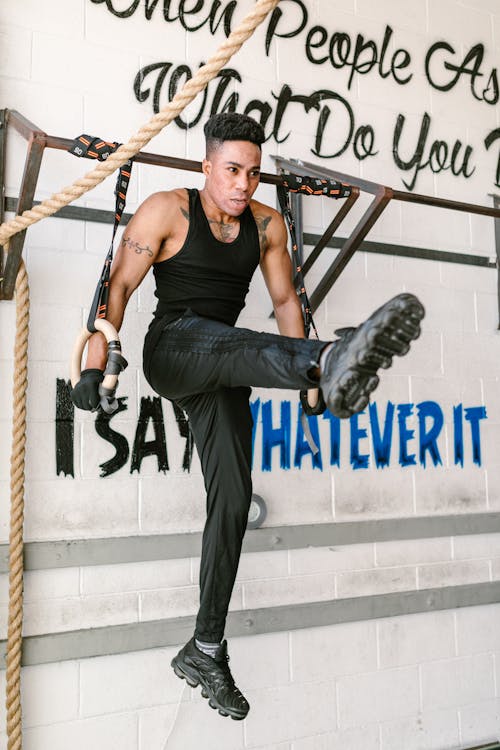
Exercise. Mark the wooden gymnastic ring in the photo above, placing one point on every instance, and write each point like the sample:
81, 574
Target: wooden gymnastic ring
114, 364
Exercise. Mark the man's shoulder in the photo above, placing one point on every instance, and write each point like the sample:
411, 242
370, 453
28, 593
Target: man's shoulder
267, 217
165, 199
270, 225
263, 211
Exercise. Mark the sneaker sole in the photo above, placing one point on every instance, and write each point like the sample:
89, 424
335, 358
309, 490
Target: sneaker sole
387, 333
193, 680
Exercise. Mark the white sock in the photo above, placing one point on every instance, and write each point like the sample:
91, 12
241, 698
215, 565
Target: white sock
208, 648
323, 356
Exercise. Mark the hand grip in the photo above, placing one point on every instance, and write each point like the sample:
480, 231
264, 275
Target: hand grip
114, 365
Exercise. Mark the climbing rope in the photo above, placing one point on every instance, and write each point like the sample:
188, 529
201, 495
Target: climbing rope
14, 635
19, 223
168, 113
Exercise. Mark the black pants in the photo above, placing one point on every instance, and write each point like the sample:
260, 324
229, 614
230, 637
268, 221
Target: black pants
208, 367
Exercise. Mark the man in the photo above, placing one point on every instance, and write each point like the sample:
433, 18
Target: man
204, 248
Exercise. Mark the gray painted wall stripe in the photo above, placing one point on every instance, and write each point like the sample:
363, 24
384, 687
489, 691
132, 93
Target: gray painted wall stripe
119, 639
77, 552
406, 251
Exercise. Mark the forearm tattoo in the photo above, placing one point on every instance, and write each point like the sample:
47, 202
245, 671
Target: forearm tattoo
128, 242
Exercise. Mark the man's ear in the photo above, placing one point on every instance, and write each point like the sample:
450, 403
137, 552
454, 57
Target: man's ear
206, 167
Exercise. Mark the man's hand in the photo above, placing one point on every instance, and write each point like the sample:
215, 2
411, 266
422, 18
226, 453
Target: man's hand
85, 394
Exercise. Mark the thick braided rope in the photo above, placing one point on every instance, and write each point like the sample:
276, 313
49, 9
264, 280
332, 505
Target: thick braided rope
14, 635
168, 113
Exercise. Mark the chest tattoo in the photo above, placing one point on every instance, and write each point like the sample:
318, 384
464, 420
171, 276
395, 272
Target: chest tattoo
224, 232
221, 231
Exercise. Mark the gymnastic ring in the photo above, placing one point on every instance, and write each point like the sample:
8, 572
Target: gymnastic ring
115, 363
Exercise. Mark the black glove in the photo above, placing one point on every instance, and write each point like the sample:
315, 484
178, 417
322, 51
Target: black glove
85, 394
309, 410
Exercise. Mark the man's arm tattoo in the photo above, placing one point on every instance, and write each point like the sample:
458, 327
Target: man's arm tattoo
128, 242
262, 224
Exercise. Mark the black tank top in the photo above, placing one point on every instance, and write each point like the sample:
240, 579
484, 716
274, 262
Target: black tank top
209, 276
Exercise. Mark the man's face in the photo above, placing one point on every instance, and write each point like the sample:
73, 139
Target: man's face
232, 175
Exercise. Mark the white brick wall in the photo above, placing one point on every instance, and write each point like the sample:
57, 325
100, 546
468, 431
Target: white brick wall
406, 641
425, 731
116, 731
378, 696
63, 508
415, 551
381, 581
330, 558
377, 683
477, 635
344, 649
480, 720
458, 682
72, 598
363, 737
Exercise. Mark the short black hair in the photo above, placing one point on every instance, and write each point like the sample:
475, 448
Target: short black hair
232, 126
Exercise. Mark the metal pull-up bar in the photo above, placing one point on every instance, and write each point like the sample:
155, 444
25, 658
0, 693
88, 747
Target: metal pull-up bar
38, 141
382, 197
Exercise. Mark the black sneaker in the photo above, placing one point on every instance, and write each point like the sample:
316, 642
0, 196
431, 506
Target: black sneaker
214, 676
349, 374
